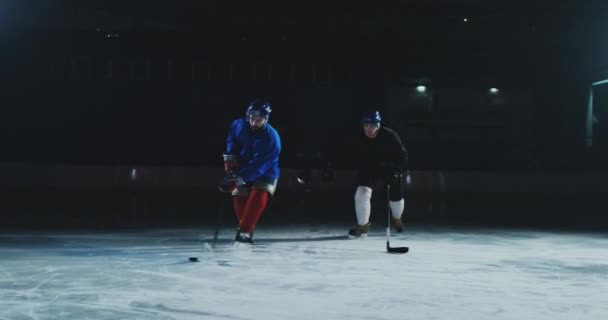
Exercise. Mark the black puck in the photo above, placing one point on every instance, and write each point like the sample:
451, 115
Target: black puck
193, 259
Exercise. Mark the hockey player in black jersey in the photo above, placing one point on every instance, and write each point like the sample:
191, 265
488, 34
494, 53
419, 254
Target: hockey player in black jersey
381, 160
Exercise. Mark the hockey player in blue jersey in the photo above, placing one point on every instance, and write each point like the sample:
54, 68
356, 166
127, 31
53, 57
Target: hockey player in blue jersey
251, 162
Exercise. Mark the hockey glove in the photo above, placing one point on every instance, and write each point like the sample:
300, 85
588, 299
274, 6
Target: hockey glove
395, 176
230, 183
230, 164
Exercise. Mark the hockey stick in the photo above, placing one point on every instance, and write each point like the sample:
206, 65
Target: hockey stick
218, 225
388, 228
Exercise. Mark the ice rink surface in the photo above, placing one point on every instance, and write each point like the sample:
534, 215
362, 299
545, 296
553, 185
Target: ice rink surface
304, 272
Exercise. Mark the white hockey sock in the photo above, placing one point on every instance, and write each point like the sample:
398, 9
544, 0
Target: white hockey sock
397, 208
363, 206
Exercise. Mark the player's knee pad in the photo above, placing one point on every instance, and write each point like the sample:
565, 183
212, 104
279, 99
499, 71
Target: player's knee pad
397, 208
363, 193
363, 204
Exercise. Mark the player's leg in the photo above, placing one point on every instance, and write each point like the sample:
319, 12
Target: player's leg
239, 200
363, 206
363, 209
257, 201
397, 203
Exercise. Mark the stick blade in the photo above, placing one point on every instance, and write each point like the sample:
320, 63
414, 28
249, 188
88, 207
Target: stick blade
396, 250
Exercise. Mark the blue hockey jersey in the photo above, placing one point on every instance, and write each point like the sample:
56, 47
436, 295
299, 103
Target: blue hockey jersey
257, 153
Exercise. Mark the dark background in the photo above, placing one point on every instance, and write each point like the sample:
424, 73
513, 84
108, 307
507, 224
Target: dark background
89, 86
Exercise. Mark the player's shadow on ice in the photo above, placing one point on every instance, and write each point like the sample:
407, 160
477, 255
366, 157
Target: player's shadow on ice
277, 240
284, 240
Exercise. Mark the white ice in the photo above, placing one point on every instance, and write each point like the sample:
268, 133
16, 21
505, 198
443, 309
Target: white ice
304, 272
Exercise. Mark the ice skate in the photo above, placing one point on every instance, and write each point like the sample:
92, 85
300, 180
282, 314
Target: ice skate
359, 231
397, 224
243, 237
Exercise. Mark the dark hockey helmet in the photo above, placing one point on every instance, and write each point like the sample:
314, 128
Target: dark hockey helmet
372, 117
259, 108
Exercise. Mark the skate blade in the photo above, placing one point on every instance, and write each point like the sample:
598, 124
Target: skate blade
362, 236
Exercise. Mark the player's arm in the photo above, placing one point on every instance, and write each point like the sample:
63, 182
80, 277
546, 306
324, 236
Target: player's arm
232, 150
